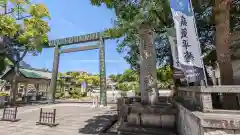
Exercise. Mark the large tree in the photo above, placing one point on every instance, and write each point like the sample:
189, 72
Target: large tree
222, 17
23, 30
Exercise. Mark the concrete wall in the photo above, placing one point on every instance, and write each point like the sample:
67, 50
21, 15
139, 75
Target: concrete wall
199, 123
187, 123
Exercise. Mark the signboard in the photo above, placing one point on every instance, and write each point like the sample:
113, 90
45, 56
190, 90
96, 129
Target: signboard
75, 39
83, 87
188, 45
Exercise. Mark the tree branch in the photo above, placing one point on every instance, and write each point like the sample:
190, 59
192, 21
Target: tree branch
160, 18
210, 2
200, 12
20, 18
24, 54
10, 58
7, 13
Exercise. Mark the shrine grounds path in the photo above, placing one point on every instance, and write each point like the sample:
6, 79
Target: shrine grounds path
73, 119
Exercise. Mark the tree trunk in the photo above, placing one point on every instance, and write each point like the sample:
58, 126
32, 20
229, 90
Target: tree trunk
15, 84
148, 74
222, 18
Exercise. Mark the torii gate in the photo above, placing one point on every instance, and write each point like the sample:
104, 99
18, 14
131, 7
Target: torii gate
58, 43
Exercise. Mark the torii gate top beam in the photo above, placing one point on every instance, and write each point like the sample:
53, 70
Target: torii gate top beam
77, 39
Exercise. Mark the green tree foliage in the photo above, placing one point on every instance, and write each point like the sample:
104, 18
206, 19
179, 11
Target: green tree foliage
32, 33
131, 13
76, 79
23, 29
115, 78
164, 77
79, 78
4, 62
129, 79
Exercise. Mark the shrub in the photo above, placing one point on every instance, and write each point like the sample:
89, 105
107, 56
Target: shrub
73, 92
74, 96
59, 95
3, 94
83, 94
76, 92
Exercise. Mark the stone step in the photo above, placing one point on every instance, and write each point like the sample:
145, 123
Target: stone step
163, 99
137, 99
153, 120
154, 110
163, 108
155, 116
138, 130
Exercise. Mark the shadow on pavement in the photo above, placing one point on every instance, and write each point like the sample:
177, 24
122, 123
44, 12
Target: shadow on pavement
23, 104
98, 124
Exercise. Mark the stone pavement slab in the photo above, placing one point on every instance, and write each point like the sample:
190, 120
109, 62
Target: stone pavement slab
73, 119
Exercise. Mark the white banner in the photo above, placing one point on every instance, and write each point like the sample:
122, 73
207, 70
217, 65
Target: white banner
188, 45
171, 33
177, 69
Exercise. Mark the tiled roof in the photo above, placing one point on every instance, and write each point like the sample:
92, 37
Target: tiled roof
32, 73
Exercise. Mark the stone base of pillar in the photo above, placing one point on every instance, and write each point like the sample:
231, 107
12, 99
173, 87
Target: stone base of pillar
139, 130
162, 115
147, 119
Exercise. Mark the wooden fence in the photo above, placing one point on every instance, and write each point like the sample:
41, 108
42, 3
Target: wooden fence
10, 114
47, 118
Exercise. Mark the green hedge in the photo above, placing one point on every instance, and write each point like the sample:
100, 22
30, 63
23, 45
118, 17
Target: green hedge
71, 94
3, 94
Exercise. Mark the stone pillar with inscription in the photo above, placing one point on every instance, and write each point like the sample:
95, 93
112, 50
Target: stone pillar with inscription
53, 84
148, 74
103, 96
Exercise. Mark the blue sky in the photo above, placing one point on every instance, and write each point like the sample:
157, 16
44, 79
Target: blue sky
78, 17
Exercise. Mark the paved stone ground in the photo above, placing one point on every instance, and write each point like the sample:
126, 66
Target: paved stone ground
73, 119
